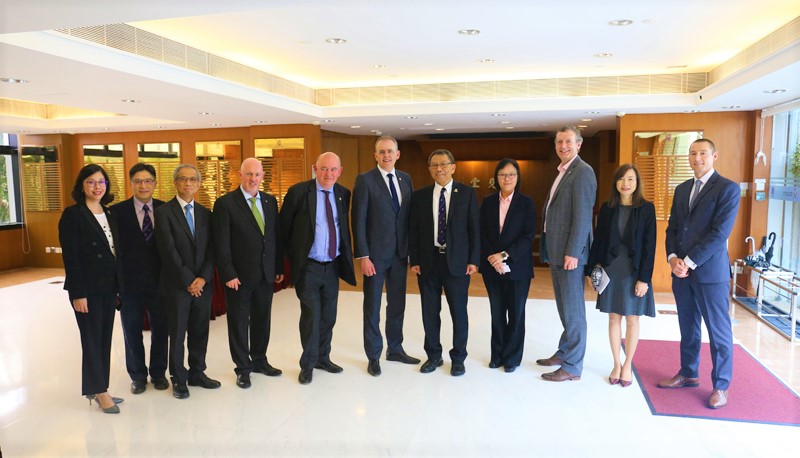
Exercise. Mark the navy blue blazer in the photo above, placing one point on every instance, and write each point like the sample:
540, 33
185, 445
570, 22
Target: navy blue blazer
639, 237
138, 264
89, 264
701, 232
519, 230
379, 231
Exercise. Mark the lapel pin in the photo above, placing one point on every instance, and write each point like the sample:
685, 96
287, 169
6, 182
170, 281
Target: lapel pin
455, 190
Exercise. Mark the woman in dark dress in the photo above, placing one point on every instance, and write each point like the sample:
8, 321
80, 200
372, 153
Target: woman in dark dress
624, 246
87, 234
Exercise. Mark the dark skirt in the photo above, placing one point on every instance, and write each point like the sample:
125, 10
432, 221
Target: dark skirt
619, 297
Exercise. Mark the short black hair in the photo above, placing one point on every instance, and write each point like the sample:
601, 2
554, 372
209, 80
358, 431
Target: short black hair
139, 166
88, 170
501, 165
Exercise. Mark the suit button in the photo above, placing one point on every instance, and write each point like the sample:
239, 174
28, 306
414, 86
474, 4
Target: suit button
94, 243
99, 256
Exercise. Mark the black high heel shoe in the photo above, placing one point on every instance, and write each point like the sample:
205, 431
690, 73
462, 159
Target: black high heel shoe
112, 409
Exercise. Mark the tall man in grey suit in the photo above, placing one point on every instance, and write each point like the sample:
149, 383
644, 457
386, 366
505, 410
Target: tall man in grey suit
444, 247
565, 244
700, 222
316, 230
183, 237
249, 259
381, 203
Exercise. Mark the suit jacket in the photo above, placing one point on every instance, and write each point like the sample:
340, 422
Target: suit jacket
519, 230
463, 229
639, 237
701, 232
298, 220
379, 231
89, 264
183, 257
569, 216
138, 264
242, 251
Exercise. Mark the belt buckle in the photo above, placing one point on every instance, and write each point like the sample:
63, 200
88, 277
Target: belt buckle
442, 249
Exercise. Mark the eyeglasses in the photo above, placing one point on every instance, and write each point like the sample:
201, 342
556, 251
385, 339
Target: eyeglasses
93, 183
145, 181
189, 179
509, 176
439, 166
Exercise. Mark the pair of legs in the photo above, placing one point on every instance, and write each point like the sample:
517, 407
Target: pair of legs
623, 370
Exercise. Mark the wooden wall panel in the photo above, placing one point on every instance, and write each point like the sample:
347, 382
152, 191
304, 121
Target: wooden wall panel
12, 243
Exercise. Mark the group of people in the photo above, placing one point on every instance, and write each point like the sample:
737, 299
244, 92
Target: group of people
144, 256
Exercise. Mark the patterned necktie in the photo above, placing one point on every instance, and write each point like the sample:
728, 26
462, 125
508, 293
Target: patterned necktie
695, 192
331, 227
189, 217
441, 233
395, 199
257, 214
147, 225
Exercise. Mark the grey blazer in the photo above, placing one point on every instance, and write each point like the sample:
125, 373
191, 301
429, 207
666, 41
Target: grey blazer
569, 216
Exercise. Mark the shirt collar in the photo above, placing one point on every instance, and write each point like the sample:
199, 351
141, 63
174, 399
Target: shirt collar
448, 187
384, 173
139, 205
706, 177
505, 199
183, 202
247, 196
563, 167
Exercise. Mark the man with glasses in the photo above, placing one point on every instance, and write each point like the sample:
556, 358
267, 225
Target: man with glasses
138, 267
314, 223
444, 248
183, 237
249, 260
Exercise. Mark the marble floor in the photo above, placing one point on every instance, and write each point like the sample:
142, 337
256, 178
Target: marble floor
401, 413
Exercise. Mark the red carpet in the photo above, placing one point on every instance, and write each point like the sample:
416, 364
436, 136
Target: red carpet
755, 395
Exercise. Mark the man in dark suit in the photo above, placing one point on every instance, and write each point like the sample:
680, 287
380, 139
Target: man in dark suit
444, 246
314, 223
381, 204
183, 237
249, 259
138, 266
701, 219
565, 244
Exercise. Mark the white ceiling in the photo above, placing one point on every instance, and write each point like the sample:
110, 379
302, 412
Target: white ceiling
416, 40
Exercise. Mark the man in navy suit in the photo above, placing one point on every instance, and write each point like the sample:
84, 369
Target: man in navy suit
381, 204
138, 266
444, 248
702, 216
249, 260
315, 226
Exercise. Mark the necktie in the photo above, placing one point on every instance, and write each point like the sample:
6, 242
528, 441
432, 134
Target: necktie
440, 236
395, 199
147, 225
331, 227
695, 191
257, 214
189, 217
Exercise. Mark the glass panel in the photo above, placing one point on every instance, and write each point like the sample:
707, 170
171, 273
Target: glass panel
218, 162
284, 164
10, 208
41, 179
164, 157
110, 158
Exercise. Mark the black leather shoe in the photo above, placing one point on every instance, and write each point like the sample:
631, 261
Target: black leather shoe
431, 365
329, 367
457, 369
494, 364
402, 357
138, 387
243, 381
305, 376
180, 391
268, 370
510, 369
160, 383
374, 368
204, 381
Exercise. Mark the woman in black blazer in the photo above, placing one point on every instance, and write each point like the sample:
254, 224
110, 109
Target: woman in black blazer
508, 227
87, 234
624, 246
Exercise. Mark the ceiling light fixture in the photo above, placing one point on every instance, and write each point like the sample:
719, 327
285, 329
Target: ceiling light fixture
261, 122
774, 91
469, 31
412, 117
620, 22
428, 124
355, 127
215, 124
130, 101
205, 113
13, 80
592, 112
505, 122
603, 55
439, 129
498, 114
692, 111
328, 120
586, 120
335, 41
379, 66
509, 127
676, 66
731, 107
486, 61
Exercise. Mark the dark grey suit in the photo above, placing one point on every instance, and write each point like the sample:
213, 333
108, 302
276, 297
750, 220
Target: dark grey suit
381, 233
568, 223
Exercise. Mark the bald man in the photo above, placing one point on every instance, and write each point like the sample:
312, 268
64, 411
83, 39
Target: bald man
249, 259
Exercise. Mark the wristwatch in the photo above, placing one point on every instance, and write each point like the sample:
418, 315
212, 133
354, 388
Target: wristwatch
504, 254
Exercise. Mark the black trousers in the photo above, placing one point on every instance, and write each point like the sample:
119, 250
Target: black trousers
507, 300
318, 291
134, 306
249, 321
188, 322
394, 273
456, 289
96, 328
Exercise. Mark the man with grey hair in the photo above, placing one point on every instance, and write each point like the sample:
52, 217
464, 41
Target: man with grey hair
565, 244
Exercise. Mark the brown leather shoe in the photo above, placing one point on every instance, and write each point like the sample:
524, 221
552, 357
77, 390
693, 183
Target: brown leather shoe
679, 381
718, 399
560, 375
551, 361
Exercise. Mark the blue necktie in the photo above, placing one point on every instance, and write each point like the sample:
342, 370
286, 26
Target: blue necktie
147, 225
395, 199
331, 227
440, 236
189, 218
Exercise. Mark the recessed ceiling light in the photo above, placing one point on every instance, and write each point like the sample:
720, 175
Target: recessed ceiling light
130, 101
355, 127
428, 124
412, 117
692, 111
498, 114
509, 127
676, 66
774, 91
439, 129
486, 61
335, 41
592, 112
159, 127
375, 131
216, 124
603, 55
23, 131
731, 107
328, 120
469, 31
586, 120
620, 22
261, 122
582, 126
379, 66
13, 80
505, 122
205, 113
